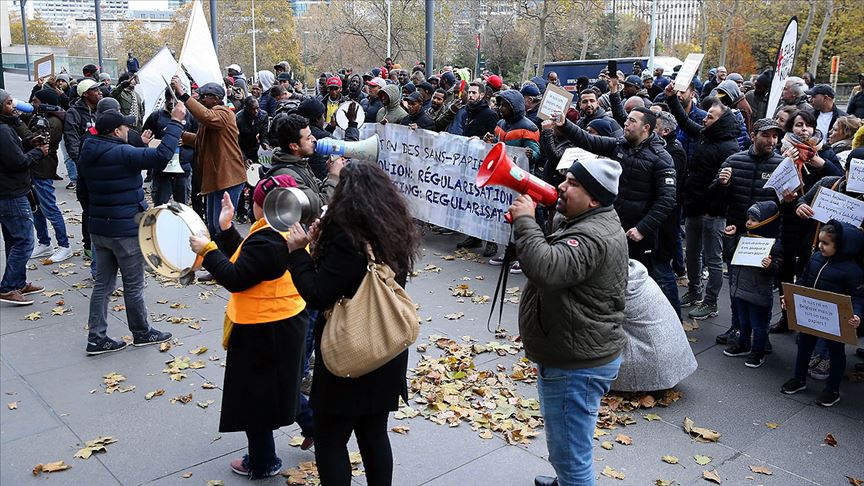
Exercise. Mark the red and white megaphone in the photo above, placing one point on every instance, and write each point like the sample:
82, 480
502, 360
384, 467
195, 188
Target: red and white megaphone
498, 170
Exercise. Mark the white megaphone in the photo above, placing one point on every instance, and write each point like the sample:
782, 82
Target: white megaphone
363, 150
173, 166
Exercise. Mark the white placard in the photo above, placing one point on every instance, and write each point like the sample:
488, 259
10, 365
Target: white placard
751, 251
574, 154
855, 181
818, 315
828, 205
688, 69
555, 100
785, 178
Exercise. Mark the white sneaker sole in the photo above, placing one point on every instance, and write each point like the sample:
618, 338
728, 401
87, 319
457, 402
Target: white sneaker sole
58, 260
17, 302
47, 252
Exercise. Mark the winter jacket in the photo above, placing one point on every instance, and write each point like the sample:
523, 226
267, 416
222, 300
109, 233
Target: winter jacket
518, 131
457, 126
646, 191
755, 285
480, 119
372, 106
553, 149
759, 104
670, 228
219, 159
743, 137
421, 119
158, 121
46, 168
79, 118
584, 120
132, 64
856, 103
109, 179
128, 99
746, 186
572, 306
393, 112
737, 101
795, 228
714, 145
697, 115
841, 273
252, 133
318, 192
15, 164
318, 162
799, 102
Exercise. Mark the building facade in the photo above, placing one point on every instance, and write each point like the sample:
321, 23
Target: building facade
677, 20
60, 14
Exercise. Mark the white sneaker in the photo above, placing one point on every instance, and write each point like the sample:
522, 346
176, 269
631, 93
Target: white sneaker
61, 254
40, 250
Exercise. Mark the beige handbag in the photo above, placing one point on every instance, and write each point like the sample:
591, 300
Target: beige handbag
365, 332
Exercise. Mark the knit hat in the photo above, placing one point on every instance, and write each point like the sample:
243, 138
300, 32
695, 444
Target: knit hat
768, 215
63, 76
4, 95
104, 77
604, 127
765, 78
106, 104
599, 177
495, 81
48, 96
268, 184
311, 109
762, 210
530, 89
540, 82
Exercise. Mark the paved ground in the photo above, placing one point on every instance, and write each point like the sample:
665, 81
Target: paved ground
62, 401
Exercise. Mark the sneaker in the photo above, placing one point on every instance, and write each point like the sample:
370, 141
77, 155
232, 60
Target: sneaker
779, 327
754, 359
516, 269
736, 350
31, 289
730, 336
241, 467
703, 311
793, 386
40, 251
152, 336
497, 261
62, 253
820, 371
704, 274
71, 185
106, 345
490, 250
470, 242
690, 299
15, 297
827, 398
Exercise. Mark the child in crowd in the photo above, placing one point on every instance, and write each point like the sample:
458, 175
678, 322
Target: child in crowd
832, 268
751, 288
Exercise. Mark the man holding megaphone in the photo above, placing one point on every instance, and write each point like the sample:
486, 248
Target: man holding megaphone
579, 274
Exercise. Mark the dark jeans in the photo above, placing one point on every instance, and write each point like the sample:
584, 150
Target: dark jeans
113, 253
331, 448
310, 339
71, 170
729, 244
836, 352
304, 417
16, 222
753, 319
167, 185
262, 452
85, 219
663, 274
48, 211
704, 248
214, 206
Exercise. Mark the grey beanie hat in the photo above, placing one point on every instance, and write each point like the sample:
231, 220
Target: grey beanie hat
106, 104
599, 177
4, 95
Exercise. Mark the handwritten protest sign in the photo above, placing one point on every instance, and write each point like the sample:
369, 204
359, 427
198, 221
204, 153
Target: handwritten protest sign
750, 251
574, 154
688, 69
436, 173
855, 181
820, 313
44, 66
785, 178
555, 100
828, 205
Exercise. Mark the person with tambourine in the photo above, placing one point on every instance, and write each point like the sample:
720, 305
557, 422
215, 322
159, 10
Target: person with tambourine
264, 333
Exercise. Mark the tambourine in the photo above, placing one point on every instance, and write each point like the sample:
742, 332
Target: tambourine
163, 234
253, 174
342, 115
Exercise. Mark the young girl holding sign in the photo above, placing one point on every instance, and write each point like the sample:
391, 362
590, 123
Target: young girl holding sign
751, 288
831, 268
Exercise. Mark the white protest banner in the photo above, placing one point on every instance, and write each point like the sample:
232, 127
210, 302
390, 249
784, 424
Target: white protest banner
855, 180
751, 251
574, 154
436, 173
555, 100
820, 313
688, 70
151, 79
198, 55
828, 205
783, 64
785, 178
44, 66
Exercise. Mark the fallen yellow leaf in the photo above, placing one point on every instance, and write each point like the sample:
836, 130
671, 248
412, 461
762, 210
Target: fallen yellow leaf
711, 476
701, 460
762, 470
606, 445
772, 425
669, 459
611, 473
401, 429
623, 439
701, 434
33, 316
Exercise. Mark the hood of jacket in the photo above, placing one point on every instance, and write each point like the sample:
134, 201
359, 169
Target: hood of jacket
266, 78
731, 89
394, 95
81, 106
637, 277
516, 102
540, 82
287, 158
768, 214
725, 128
473, 108
849, 240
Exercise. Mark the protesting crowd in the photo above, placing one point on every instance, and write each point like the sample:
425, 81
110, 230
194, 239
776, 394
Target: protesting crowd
675, 179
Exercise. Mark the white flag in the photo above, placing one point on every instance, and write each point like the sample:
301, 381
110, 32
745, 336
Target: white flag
151, 79
198, 55
783, 64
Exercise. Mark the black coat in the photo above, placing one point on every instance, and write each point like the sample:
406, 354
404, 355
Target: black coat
747, 185
421, 119
157, 122
479, 119
797, 230
79, 117
14, 162
715, 144
252, 133
337, 273
670, 228
264, 364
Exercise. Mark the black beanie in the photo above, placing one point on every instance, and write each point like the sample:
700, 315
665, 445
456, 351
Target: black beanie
48, 96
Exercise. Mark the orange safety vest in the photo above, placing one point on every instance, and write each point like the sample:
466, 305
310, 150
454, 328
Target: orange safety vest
269, 301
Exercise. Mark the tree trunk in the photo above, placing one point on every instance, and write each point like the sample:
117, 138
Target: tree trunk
817, 49
542, 34
807, 26
584, 51
727, 31
526, 70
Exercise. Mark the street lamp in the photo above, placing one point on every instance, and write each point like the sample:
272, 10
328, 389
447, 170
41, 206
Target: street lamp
305, 74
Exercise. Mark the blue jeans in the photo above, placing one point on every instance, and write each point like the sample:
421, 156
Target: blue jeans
16, 222
310, 339
753, 319
71, 170
48, 211
304, 417
821, 348
167, 185
214, 206
113, 253
569, 401
704, 238
662, 273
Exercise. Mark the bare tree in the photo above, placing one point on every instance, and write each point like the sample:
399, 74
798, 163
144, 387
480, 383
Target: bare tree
817, 49
727, 32
807, 26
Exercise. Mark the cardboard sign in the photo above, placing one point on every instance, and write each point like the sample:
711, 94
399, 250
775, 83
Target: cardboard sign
828, 205
820, 313
555, 100
855, 181
572, 155
44, 66
785, 179
688, 70
751, 251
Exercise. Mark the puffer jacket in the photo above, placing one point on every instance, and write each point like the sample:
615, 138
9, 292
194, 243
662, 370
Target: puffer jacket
671, 228
572, 308
715, 144
518, 131
393, 111
110, 182
755, 284
79, 118
158, 121
646, 192
840, 273
747, 185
